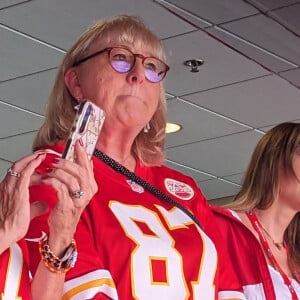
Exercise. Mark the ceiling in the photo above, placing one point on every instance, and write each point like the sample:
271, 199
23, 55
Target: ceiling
248, 83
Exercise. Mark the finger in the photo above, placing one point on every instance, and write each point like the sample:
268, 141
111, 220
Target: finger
66, 178
33, 164
37, 209
72, 174
82, 157
26, 175
20, 164
23, 168
87, 166
63, 195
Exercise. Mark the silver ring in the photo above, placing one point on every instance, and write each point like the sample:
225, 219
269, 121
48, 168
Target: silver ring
77, 194
11, 172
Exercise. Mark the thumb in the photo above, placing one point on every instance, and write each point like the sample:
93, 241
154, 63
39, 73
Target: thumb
37, 209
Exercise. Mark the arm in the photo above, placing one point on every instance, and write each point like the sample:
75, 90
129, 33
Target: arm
65, 177
14, 203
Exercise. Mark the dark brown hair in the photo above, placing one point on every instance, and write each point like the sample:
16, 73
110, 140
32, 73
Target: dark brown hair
275, 150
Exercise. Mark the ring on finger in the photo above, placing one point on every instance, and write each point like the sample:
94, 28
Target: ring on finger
11, 172
77, 194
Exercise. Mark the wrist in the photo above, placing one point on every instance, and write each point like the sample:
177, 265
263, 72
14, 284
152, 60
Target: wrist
59, 244
58, 264
6, 240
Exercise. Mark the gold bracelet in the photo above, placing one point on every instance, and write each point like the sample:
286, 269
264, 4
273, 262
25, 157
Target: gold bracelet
55, 264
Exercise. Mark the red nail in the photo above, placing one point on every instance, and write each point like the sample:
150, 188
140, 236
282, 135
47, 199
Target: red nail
80, 142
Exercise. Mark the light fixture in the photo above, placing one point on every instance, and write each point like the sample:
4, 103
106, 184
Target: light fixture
172, 127
194, 64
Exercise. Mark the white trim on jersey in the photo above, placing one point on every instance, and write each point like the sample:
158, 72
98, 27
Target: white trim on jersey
88, 285
13, 274
227, 295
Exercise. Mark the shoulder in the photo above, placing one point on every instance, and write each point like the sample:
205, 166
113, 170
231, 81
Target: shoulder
226, 216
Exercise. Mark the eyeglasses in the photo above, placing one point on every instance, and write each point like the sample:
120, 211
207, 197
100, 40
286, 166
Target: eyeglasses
123, 60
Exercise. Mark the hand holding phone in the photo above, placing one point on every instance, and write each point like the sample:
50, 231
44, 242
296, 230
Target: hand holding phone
87, 126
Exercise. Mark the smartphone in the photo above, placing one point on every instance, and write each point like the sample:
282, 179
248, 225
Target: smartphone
87, 126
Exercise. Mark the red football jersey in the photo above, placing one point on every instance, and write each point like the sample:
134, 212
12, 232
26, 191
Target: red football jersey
14, 273
258, 279
133, 245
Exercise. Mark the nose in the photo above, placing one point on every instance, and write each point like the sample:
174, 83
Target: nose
137, 73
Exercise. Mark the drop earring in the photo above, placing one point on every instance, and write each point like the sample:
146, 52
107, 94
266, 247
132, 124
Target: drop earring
147, 128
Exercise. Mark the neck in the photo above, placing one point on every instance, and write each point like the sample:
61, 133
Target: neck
117, 149
274, 221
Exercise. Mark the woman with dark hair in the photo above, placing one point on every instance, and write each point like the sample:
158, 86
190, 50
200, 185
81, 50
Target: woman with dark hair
261, 226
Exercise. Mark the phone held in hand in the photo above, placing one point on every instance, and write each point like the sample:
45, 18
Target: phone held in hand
87, 126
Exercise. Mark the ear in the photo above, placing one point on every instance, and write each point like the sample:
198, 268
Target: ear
72, 83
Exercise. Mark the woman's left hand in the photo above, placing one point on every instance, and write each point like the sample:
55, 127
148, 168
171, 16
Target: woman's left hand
75, 186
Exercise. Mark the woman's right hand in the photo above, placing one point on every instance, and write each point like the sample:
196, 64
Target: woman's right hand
15, 209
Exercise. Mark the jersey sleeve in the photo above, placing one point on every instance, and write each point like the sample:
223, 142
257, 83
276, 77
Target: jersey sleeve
14, 275
228, 283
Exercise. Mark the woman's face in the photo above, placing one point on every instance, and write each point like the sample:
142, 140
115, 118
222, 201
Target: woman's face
127, 98
290, 185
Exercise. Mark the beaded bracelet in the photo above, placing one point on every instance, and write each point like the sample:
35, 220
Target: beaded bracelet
55, 264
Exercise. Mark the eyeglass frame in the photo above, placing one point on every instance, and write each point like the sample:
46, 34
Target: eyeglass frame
108, 50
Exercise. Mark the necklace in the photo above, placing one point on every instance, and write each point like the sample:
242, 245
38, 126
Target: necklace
124, 159
259, 229
278, 245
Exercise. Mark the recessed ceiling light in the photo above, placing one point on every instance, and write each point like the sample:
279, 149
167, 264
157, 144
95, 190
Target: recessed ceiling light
173, 127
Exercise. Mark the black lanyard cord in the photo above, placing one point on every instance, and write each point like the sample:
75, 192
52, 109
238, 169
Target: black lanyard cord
156, 192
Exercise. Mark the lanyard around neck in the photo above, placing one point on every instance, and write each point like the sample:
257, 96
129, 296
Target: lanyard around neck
258, 228
150, 188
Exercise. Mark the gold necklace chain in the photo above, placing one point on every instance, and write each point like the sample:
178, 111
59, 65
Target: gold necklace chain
278, 245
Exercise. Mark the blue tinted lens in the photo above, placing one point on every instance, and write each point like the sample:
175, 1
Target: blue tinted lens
153, 76
121, 66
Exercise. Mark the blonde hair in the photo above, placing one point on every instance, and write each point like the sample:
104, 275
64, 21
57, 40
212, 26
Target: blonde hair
60, 106
275, 150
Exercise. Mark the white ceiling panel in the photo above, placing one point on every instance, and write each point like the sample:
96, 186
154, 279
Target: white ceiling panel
221, 156
214, 189
61, 22
236, 178
292, 76
267, 128
272, 36
8, 3
189, 16
248, 102
4, 165
221, 65
267, 5
260, 55
288, 16
196, 174
216, 11
12, 148
20, 91
16, 121
209, 125
20, 55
